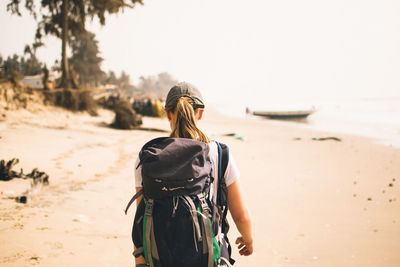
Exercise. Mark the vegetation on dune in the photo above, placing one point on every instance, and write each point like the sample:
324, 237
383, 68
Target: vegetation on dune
125, 116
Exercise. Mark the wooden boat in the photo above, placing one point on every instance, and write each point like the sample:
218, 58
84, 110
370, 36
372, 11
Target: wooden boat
285, 115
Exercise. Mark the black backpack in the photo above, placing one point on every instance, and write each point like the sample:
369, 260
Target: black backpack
181, 221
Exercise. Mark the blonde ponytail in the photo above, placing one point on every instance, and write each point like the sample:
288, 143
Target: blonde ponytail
185, 121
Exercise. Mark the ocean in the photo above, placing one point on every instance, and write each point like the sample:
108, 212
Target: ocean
377, 118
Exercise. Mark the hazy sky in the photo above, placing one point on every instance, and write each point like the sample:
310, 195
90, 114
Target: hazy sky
245, 50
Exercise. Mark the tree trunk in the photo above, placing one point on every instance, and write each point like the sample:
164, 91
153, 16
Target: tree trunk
65, 80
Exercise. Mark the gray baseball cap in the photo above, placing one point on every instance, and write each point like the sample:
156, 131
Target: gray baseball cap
184, 89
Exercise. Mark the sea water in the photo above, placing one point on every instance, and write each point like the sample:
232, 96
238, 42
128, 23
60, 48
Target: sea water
377, 117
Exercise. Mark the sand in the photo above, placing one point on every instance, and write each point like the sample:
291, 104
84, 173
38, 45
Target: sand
313, 203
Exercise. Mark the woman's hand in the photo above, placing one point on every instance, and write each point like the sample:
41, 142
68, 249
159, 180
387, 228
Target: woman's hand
245, 247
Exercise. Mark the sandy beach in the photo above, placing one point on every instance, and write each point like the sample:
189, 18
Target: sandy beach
313, 203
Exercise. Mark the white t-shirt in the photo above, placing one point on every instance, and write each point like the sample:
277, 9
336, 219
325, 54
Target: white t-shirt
231, 174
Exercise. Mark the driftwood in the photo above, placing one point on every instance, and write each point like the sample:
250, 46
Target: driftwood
38, 178
6, 173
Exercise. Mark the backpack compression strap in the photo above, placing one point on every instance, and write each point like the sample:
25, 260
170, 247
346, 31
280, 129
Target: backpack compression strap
205, 214
149, 241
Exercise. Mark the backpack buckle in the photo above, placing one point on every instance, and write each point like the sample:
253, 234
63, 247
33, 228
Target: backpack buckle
203, 202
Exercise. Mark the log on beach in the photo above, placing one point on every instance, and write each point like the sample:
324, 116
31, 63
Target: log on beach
6, 173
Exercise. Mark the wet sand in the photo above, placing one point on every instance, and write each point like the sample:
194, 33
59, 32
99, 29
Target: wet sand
313, 203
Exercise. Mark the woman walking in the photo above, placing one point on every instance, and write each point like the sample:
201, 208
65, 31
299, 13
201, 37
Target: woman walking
189, 153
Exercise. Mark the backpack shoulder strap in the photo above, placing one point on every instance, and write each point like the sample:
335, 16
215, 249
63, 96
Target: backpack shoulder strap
222, 193
223, 159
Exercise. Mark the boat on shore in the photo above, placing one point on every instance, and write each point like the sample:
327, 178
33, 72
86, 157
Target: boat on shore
284, 114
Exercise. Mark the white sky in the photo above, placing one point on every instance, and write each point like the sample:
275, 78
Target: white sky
246, 50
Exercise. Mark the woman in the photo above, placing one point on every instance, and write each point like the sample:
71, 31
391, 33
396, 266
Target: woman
184, 107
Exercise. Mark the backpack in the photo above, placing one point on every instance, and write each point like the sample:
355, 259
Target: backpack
181, 221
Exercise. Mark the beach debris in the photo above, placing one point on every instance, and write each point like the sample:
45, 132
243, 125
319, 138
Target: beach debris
394, 180
369, 199
22, 199
297, 138
326, 138
355, 182
6, 172
38, 179
315, 257
390, 185
354, 195
236, 136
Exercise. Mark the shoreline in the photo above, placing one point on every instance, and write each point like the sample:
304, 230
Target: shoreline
389, 137
313, 203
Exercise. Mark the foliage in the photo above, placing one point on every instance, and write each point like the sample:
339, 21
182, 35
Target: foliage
110, 78
65, 19
85, 59
26, 65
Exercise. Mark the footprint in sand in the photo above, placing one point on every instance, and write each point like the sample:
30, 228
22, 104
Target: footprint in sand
42, 228
33, 260
12, 258
18, 226
56, 245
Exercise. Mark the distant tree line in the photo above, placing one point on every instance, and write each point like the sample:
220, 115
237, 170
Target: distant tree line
85, 64
27, 64
156, 85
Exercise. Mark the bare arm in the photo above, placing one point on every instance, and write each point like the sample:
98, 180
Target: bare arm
140, 259
241, 218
